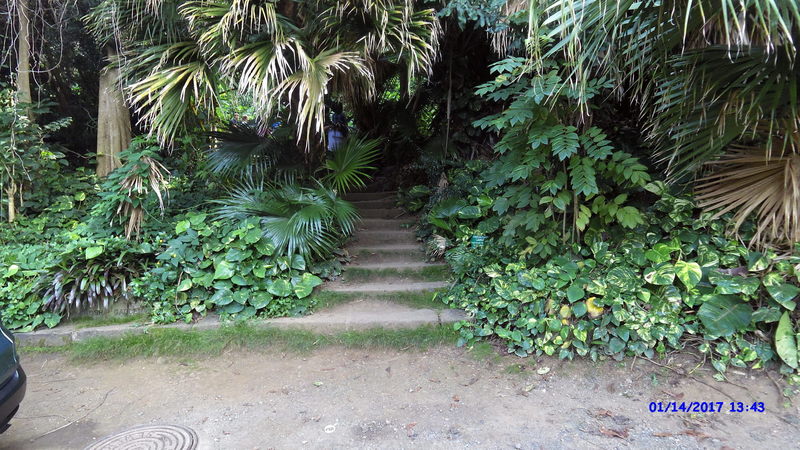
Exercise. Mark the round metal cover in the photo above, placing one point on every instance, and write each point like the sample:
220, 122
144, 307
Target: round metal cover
150, 437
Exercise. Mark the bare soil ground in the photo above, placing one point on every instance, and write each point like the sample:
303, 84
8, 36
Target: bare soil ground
441, 398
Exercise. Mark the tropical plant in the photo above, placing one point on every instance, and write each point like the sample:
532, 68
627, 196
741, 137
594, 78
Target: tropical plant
92, 274
24, 156
310, 222
242, 149
227, 266
549, 172
347, 167
126, 191
710, 76
177, 56
668, 284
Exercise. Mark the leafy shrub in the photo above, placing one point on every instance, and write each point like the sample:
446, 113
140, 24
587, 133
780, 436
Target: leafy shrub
667, 284
21, 266
225, 265
128, 190
93, 273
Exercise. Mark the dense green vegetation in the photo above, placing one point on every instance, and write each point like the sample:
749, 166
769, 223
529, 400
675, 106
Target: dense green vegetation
603, 178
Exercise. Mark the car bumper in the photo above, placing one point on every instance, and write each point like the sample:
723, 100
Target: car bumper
11, 395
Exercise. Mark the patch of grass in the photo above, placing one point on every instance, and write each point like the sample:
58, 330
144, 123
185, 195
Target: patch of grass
243, 336
426, 273
515, 369
483, 351
413, 299
102, 321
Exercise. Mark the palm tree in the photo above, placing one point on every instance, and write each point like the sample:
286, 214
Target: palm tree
179, 55
717, 83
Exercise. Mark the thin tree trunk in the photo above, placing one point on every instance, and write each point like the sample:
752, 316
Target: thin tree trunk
113, 121
11, 190
24, 55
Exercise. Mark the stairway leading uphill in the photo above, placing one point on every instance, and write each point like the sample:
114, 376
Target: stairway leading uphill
388, 267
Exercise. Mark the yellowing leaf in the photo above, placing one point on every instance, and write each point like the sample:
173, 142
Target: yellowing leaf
594, 311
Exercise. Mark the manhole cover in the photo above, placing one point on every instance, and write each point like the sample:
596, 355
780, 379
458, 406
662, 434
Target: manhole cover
150, 437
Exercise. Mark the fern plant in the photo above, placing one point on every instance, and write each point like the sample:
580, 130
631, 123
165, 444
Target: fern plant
550, 170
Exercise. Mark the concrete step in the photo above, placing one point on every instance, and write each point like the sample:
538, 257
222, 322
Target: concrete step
399, 265
358, 315
366, 238
387, 254
392, 274
393, 286
389, 202
405, 223
383, 213
361, 196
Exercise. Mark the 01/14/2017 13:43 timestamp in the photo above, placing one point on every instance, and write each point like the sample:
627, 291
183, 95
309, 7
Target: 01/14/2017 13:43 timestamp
709, 407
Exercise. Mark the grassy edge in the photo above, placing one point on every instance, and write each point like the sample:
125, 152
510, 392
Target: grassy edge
415, 299
244, 336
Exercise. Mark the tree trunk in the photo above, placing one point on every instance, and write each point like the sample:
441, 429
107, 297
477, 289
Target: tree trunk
113, 121
11, 191
24, 55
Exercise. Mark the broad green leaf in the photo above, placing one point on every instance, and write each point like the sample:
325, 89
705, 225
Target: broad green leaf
624, 278
306, 285
784, 293
723, 315
51, 319
221, 297
689, 273
662, 274
280, 288
785, 342
11, 271
579, 309
185, 285
182, 226
757, 261
575, 293
265, 247
93, 252
223, 270
616, 345
260, 299
196, 219
233, 308
240, 281
253, 235
298, 262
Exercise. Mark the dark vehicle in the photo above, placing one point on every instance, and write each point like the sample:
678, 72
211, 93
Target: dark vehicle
12, 379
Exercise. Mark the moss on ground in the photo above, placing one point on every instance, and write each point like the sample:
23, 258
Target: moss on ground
244, 336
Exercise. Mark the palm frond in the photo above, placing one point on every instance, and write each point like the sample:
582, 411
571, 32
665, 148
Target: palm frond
297, 220
749, 183
348, 166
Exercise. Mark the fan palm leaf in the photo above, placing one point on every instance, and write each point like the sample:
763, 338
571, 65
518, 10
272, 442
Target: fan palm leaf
347, 167
297, 220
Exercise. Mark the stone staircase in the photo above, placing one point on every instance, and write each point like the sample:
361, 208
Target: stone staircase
386, 261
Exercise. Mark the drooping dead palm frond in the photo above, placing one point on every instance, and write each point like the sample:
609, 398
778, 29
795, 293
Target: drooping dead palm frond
148, 175
750, 183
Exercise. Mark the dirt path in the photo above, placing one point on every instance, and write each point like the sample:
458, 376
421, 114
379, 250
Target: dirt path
441, 398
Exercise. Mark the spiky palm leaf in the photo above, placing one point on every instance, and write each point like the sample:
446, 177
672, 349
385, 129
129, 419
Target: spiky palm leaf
347, 167
298, 220
295, 58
